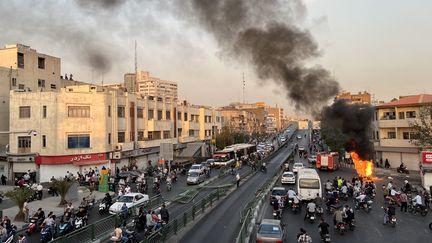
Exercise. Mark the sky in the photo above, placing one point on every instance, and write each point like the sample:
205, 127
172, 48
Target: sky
382, 47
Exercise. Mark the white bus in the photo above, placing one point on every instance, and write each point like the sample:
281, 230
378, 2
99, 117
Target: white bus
308, 184
228, 155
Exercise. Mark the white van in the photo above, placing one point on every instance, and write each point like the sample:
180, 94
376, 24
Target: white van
308, 184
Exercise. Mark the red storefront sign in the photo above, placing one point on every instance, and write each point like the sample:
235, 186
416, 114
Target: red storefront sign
79, 159
427, 158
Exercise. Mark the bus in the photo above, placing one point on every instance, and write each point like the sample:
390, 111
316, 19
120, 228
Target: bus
328, 161
308, 184
229, 154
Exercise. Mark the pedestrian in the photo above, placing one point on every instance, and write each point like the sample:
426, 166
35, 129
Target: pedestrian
238, 179
404, 201
39, 189
22, 239
26, 211
386, 164
3, 180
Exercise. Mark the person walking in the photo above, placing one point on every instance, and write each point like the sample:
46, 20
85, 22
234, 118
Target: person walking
26, 211
3, 180
238, 179
404, 202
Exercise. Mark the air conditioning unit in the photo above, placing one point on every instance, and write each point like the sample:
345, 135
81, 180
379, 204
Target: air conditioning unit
116, 155
118, 147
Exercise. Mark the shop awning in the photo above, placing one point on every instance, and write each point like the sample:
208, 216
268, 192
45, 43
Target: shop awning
97, 162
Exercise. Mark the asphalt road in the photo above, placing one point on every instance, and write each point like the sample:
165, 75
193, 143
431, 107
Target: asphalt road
222, 223
369, 227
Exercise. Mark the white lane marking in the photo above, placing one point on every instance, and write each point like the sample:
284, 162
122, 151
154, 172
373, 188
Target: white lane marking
379, 233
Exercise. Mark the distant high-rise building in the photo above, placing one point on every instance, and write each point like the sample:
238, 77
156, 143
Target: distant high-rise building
150, 86
359, 98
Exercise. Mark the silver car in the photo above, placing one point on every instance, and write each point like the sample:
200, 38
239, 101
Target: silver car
195, 177
270, 230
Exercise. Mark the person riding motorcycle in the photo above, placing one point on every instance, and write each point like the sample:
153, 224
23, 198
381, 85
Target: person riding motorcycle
263, 166
323, 228
107, 199
407, 187
361, 199
402, 168
310, 209
337, 218
349, 214
390, 211
164, 213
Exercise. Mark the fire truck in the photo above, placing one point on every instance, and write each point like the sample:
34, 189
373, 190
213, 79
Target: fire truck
327, 161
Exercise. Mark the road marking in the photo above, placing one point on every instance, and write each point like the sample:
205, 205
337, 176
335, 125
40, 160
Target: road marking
379, 233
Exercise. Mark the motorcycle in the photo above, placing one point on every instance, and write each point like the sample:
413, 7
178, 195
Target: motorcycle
11, 235
169, 186
311, 217
402, 170
392, 221
319, 212
277, 214
46, 234
325, 238
417, 209
367, 206
103, 208
295, 207
64, 229
79, 222
34, 225
341, 228
263, 169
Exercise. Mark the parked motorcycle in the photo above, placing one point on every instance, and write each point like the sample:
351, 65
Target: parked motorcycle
79, 222
46, 234
422, 210
64, 228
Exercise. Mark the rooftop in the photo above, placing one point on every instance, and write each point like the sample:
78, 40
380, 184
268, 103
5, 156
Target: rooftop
410, 100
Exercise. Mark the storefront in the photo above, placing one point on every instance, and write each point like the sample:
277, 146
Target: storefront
57, 166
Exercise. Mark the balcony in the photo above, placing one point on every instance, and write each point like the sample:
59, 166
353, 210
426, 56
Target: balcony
156, 142
159, 125
395, 123
188, 139
396, 143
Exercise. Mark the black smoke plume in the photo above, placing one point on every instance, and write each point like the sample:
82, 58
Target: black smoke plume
262, 33
348, 125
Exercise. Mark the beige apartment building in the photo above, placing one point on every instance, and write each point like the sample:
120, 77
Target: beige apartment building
277, 113
359, 98
150, 86
239, 120
392, 131
85, 126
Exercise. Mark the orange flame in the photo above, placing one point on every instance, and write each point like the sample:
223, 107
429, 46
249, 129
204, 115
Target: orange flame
364, 168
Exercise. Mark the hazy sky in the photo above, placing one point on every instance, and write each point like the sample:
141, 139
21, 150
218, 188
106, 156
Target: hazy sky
379, 46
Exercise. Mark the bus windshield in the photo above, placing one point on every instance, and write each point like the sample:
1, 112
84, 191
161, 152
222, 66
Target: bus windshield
309, 183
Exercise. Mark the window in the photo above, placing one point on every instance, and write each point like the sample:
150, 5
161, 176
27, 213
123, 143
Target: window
44, 111
401, 115
309, 183
24, 112
140, 135
109, 138
191, 133
140, 113
391, 135
43, 141
120, 111
150, 135
218, 119
179, 115
166, 134
14, 83
167, 115
405, 135
411, 114
78, 111
20, 60
24, 144
179, 132
185, 116
41, 63
121, 137
414, 135
377, 135
53, 86
150, 115
20, 86
159, 115
78, 141
109, 111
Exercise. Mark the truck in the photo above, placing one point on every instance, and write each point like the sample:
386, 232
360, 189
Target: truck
327, 161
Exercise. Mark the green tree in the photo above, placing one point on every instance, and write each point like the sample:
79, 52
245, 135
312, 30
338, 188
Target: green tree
19, 196
423, 128
228, 137
62, 186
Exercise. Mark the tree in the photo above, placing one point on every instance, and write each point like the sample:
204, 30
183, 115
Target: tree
19, 196
423, 128
229, 137
62, 186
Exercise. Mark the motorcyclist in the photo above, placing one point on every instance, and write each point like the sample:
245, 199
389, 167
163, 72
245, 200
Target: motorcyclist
310, 209
337, 217
361, 199
344, 190
402, 167
291, 193
302, 237
407, 187
107, 199
323, 228
164, 213
390, 211
263, 166
417, 201
328, 186
349, 214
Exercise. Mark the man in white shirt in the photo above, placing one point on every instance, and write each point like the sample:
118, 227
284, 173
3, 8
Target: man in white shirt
39, 189
417, 200
310, 209
291, 193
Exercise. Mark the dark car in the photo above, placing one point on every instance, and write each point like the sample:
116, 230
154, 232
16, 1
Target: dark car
278, 191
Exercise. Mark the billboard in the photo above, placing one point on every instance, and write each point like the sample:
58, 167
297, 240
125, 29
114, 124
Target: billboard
426, 158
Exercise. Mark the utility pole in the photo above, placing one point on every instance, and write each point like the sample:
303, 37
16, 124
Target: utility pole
136, 69
244, 84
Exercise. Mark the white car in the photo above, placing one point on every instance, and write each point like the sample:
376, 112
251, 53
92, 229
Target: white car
299, 137
131, 199
288, 178
197, 167
297, 167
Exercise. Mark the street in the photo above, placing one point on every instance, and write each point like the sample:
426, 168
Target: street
369, 226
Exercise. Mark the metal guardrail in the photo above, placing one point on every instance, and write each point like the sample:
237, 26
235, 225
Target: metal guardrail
104, 227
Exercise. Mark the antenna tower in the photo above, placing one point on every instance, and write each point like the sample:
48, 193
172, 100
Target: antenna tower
244, 84
136, 69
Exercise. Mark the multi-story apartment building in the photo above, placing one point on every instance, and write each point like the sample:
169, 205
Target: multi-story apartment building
239, 120
359, 98
25, 69
83, 126
392, 131
278, 114
150, 86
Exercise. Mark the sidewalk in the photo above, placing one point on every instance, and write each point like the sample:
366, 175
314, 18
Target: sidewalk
50, 204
